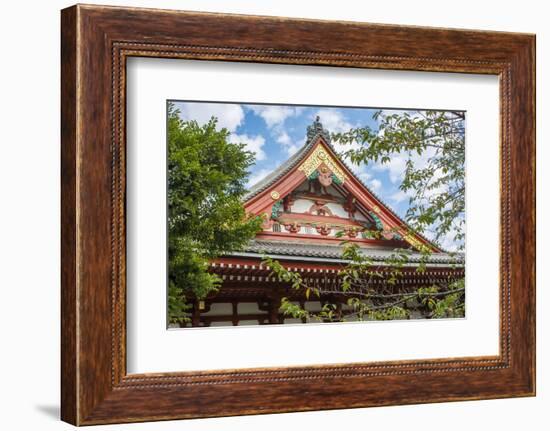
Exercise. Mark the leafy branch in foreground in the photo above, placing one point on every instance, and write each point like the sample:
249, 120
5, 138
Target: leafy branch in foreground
366, 290
431, 144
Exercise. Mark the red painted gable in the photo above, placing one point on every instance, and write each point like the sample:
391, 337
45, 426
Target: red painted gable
320, 162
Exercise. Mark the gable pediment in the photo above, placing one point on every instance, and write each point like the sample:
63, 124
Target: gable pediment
320, 160
314, 195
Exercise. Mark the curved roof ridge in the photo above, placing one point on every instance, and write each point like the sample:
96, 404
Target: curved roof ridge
284, 167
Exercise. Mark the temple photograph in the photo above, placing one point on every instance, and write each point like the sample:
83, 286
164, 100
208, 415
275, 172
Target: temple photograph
300, 214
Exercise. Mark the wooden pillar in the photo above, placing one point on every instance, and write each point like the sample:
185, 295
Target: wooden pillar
235, 313
274, 310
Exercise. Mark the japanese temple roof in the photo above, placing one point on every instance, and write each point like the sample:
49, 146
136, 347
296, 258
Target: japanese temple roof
333, 252
314, 132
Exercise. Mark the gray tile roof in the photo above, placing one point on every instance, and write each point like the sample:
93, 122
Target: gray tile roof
334, 252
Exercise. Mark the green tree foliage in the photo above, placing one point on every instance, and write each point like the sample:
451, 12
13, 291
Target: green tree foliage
206, 183
434, 146
371, 290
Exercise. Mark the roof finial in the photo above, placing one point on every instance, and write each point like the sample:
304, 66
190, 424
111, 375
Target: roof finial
317, 129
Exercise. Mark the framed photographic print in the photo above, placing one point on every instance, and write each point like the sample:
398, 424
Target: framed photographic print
329, 214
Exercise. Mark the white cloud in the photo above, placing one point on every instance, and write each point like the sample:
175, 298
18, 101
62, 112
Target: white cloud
252, 143
398, 163
229, 115
364, 176
284, 139
399, 196
333, 121
291, 149
275, 115
375, 184
448, 242
257, 176
287, 144
395, 167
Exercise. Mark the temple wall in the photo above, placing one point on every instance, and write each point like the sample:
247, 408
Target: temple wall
337, 209
301, 205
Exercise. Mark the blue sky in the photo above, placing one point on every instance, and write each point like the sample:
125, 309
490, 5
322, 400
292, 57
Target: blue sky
275, 132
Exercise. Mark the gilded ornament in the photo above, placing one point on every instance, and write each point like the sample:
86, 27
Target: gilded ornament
411, 239
316, 158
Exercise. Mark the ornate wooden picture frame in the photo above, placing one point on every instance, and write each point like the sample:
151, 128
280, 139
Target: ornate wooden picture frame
96, 41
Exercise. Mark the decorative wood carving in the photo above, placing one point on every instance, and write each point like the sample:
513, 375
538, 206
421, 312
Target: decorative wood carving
319, 208
351, 232
293, 227
320, 156
349, 205
323, 229
325, 175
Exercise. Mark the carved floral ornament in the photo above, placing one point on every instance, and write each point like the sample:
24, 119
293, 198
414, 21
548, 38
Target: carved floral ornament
293, 227
319, 157
323, 229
